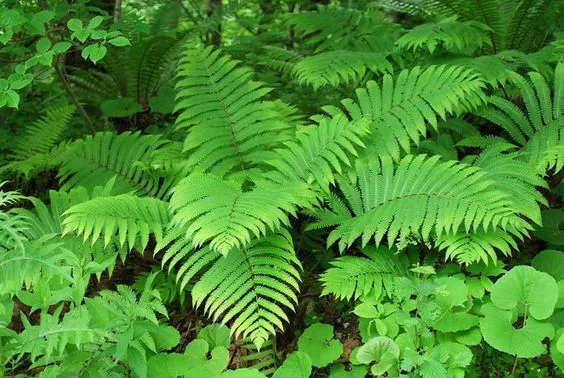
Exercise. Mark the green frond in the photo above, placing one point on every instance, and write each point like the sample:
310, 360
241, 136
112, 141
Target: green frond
339, 67
39, 259
228, 123
400, 109
544, 115
280, 59
128, 216
250, 287
479, 245
266, 359
519, 25
94, 160
51, 336
35, 149
545, 149
452, 35
338, 28
421, 197
13, 226
515, 177
221, 212
319, 152
351, 277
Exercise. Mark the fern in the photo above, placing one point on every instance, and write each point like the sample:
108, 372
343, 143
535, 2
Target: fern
228, 125
130, 216
221, 212
399, 110
248, 286
96, 159
336, 67
36, 149
420, 197
453, 35
541, 124
13, 227
319, 152
353, 277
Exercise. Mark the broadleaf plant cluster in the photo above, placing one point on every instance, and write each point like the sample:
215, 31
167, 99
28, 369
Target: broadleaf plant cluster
281, 189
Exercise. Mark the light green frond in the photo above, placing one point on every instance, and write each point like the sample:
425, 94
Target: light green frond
228, 123
452, 35
319, 151
251, 288
338, 67
128, 216
400, 109
480, 245
421, 197
351, 277
220, 212
94, 160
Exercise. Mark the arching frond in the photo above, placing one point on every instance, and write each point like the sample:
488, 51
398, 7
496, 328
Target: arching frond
319, 151
452, 35
339, 67
420, 197
229, 125
129, 216
221, 212
251, 288
400, 109
352, 277
34, 149
544, 116
94, 160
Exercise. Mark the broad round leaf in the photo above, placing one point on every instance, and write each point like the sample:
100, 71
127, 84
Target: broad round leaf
381, 349
551, 262
526, 342
524, 287
318, 342
297, 365
216, 335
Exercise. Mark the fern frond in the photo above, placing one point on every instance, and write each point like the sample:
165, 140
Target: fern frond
400, 110
421, 197
479, 245
129, 216
544, 114
40, 259
337, 67
249, 287
353, 277
514, 177
229, 126
221, 212
13, 226
94, 160
453, 35
280, 59
52, 336
319, 152
34, 150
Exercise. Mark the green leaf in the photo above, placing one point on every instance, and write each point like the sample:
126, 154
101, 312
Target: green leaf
297, 365
557, 349
164, 101
551, 262
12, 99
98, 34
381, 349
121, 107
95, 22
523, 287
43, 45
366, 310
120, 41
525, 342
74, 24
455, 322
61, 47
318, 342
97, 53
216, 335
82, 35
552, 230
340, 371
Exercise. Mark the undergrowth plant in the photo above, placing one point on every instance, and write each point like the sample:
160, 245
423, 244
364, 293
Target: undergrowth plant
176, 216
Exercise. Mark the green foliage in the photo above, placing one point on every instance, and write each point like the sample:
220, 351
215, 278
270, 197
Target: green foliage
256, 156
